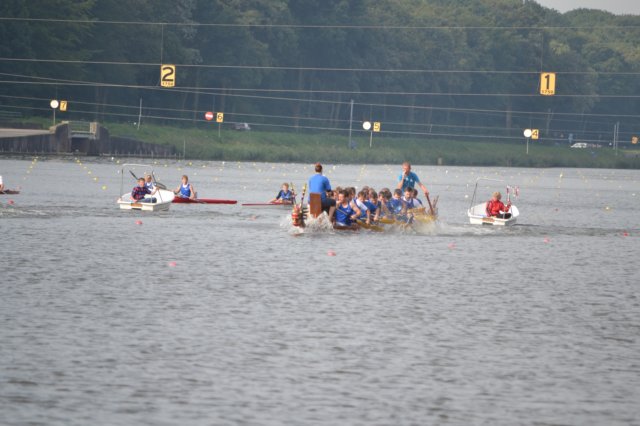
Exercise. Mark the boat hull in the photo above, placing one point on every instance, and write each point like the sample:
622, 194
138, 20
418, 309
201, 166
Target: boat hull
9, 192
477, 216
163, 197
180, 200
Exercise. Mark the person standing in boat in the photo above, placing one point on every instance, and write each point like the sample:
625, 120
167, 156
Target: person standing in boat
496, 208
1, 184
319, 184
185, 190
140, 191
409, 179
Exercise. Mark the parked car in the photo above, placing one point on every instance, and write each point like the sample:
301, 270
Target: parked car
241, 126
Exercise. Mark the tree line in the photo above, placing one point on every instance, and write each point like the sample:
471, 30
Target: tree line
432, 68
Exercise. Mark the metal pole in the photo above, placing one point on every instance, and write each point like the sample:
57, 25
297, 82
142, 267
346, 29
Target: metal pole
371, 139
350, 122
54, 116
139, 113
184, 149
527, 146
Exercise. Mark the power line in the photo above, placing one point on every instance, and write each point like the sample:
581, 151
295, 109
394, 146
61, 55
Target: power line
294, 118
324, 101
318, 26
325, 69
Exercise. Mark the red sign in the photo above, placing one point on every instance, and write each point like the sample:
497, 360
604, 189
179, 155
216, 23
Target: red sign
208, 115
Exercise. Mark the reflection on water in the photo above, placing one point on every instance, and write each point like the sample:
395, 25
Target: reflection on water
216, 314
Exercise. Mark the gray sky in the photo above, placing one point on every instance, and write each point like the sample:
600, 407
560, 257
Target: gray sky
614, 6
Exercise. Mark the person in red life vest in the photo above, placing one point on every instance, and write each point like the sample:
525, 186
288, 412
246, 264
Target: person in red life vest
496, 208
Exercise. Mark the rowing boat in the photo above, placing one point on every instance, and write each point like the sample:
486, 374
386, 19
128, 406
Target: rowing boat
287, 205
163, 201
183, 200
162, 197
9, 192
419, 219
477, 213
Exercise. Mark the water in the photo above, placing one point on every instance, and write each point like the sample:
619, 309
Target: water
534, 324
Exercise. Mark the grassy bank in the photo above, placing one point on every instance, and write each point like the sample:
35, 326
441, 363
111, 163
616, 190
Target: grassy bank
306, 148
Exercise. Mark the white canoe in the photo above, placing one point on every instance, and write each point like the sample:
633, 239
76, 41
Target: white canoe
478, 216
163, 201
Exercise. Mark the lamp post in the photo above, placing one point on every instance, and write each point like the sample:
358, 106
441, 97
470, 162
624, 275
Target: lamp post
367, 126
54, 105
527, 134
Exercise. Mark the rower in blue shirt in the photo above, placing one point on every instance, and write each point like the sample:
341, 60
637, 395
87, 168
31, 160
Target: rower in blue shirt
346, 211
285, 196
320, 184
185, 190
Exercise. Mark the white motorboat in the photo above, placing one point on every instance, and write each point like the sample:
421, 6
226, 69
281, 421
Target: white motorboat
163, 197
478, 212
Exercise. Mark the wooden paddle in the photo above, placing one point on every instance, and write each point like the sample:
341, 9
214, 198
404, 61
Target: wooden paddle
433, 213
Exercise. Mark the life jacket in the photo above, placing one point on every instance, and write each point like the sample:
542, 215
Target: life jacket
395, 205
285, 196
343, 214
185, 190
412, 203
495, 207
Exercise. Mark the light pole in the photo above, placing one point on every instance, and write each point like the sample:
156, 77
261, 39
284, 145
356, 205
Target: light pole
54, 105
367, 126
527, 134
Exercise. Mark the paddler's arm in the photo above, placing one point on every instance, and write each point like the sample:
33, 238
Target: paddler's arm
192, 195
424, 189
357, 213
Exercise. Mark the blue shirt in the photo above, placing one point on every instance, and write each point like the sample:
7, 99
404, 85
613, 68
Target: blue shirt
319, 184
410, 181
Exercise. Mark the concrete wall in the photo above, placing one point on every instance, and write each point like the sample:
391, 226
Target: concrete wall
61, 140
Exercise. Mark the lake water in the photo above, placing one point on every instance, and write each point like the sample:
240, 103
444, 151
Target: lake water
218, 315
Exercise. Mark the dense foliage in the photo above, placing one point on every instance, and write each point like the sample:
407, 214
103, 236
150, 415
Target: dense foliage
463, 69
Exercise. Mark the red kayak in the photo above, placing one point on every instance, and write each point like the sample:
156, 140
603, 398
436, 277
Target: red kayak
267, 205
9, 192
202, 201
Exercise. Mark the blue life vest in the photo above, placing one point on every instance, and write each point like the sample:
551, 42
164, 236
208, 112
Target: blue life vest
285, 196
395, 206
413, 203
371, 206
185, 190
343, 214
